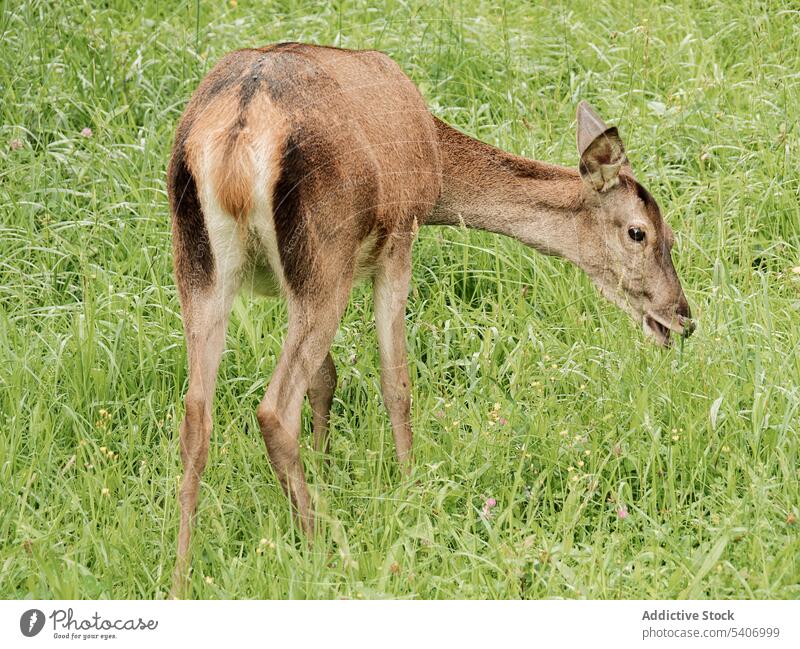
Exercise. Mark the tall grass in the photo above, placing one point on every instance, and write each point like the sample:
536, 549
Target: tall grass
619, 470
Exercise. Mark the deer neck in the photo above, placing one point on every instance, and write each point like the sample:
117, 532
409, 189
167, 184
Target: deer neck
488, 189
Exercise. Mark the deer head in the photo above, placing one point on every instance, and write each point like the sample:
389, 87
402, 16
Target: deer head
625, 244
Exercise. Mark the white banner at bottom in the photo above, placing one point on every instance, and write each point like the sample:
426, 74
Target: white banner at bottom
406, 624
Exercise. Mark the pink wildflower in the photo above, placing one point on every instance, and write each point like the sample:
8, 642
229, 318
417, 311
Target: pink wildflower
488, 505
87, 132
622, 512
15, 144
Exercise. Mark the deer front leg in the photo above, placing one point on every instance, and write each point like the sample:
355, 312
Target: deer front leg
320, 396
390, 296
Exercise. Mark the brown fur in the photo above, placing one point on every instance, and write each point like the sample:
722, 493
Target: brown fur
312, 166
191, 251
192, 255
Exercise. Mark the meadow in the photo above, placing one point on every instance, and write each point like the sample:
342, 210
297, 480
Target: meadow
558, 453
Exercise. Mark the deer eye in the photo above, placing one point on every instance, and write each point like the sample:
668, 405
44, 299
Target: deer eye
637, 234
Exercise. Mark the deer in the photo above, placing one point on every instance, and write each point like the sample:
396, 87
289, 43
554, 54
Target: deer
298, 170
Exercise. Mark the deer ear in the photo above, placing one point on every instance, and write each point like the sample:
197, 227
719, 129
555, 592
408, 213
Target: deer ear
600, 148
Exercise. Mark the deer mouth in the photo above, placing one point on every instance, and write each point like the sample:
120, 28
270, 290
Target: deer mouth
660, 328
656, 330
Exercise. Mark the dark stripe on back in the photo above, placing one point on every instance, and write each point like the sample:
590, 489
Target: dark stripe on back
251, 83
228, 73
296, 81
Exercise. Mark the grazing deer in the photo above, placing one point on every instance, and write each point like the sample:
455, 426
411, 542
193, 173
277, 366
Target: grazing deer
297, 169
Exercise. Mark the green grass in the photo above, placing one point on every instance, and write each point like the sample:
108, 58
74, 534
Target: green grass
700, 443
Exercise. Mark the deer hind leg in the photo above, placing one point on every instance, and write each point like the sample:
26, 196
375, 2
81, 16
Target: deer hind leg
312, 326
205, 318
390, 291
323, 385
320, 396
205, 322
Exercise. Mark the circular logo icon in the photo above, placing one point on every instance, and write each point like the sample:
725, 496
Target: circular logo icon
31, 622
